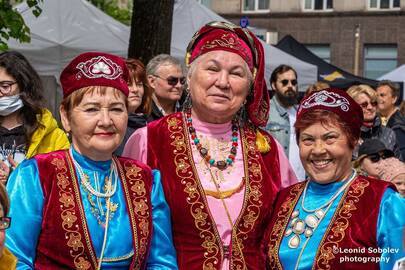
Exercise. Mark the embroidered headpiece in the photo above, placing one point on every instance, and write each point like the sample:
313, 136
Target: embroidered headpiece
225, 36
95, 69
336, 101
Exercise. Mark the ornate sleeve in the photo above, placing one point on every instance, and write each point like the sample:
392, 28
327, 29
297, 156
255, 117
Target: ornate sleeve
390, 229
136, 146
26, 204
162, 254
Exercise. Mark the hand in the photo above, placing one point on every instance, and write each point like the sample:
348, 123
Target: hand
12, 162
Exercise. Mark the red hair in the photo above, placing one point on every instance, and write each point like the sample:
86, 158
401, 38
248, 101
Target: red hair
137, 73
326, 118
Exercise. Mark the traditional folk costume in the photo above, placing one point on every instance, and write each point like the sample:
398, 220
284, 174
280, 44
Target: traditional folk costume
71, 212
220, 180
356, 223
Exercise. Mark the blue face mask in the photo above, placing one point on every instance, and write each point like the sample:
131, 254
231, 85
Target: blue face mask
10, 104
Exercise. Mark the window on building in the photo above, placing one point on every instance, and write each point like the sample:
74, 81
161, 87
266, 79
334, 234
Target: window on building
379, 59
320, 50
255, 5
318, 5
384, 4
206, 3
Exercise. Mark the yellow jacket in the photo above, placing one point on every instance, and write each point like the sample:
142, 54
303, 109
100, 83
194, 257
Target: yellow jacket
48, 137
8, 261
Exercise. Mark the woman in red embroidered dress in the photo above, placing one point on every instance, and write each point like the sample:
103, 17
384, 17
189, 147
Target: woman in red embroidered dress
220, 171
336, 219
85, 208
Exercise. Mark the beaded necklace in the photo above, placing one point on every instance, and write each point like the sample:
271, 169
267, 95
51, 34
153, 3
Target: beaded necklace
220, 164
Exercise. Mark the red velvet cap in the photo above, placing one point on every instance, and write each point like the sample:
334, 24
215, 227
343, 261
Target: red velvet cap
220, 39
229, 37
336, 101
95, 69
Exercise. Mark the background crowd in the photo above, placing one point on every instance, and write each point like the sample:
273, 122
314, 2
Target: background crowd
172, 166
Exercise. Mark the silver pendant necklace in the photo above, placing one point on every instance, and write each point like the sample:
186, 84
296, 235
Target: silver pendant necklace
311, 221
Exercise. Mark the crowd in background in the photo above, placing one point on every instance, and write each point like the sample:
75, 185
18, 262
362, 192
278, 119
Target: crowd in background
173, 119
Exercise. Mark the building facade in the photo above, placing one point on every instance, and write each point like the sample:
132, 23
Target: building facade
365, 37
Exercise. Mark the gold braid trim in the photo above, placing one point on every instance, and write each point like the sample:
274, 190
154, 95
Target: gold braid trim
279, 226
139, 212
70, 222
194, 193
339, 223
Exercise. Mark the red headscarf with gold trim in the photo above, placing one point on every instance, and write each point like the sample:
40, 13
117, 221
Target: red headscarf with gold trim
231, 38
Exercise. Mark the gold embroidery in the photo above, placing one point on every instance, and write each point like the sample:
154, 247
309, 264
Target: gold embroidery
68, 219
252, 204
139, 212
72, 234
67, 200
193, 191
339, 223
227, 41
280, 225
139, 188
192, 187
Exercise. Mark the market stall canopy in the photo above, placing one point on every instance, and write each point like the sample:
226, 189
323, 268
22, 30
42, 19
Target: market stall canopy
327, 72
396, 75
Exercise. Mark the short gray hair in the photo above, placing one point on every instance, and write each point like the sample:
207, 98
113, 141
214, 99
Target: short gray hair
161, 59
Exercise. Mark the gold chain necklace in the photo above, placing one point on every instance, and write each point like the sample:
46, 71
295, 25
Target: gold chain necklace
226, 248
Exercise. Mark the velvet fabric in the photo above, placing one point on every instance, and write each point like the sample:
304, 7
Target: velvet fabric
196, 238
64, 242
353, 225
336, 101
95, 69
229, 37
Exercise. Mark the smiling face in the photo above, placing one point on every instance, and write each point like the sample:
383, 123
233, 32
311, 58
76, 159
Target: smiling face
136, 91
219, 82
368, 106
325, 153
97, 123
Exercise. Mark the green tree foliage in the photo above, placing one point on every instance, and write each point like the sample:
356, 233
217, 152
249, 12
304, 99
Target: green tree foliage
112, 8
12, 23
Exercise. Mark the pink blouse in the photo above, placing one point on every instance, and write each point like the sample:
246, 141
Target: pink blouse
216, 138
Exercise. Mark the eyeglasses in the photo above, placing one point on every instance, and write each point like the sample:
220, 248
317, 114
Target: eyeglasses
364, 105
171, 80
285, 82
5, 87
377, 156
5, 223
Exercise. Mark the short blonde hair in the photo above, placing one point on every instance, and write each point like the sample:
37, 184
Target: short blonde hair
74, 99
355, 90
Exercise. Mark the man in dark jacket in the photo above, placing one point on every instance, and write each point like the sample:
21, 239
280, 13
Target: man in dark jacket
388, 95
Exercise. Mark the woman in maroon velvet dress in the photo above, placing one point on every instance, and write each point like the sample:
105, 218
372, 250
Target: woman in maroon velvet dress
336, 219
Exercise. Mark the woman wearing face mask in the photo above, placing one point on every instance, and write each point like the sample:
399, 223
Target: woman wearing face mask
139, 99
26, 128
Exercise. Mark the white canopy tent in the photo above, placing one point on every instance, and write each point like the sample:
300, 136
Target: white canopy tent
66, 28
396, 75
189, 16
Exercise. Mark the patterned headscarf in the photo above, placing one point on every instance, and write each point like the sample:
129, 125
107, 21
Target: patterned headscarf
229, 37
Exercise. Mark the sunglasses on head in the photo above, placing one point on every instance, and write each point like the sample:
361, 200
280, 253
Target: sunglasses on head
171, 80
285, 82
377, 156
364, 105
